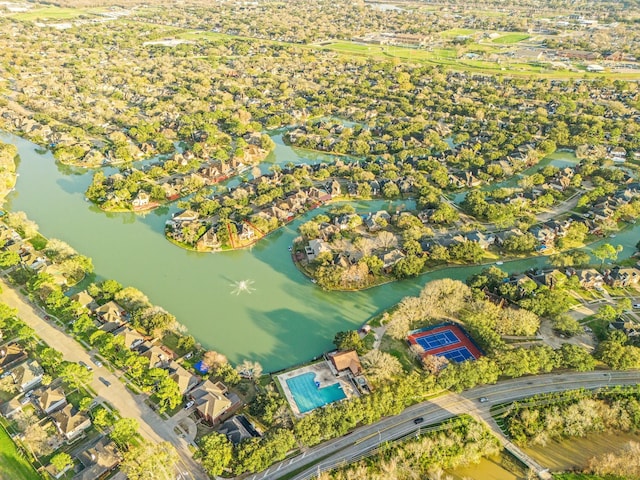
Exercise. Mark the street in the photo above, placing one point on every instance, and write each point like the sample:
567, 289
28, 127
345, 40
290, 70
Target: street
152, 427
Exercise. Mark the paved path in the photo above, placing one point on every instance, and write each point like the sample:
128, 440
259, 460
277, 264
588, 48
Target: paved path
152, 426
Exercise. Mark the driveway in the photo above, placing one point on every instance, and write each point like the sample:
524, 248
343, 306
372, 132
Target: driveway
152, 427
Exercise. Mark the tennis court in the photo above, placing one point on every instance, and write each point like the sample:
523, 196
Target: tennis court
446, 340
458, 355
436, 340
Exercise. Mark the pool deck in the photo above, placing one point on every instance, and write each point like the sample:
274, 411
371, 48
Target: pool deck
323, 375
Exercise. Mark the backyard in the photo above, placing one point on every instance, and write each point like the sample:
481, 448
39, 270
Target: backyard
12, 464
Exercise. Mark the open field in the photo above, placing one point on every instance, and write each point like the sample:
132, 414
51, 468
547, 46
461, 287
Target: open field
12, 464
510, 38
54, 13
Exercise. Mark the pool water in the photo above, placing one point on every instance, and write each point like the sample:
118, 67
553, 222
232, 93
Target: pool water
308, 396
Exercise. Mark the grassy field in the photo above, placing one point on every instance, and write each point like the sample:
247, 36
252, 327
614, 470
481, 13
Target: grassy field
12, 464
510, 38
54, 13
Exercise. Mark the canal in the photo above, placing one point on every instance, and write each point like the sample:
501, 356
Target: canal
281, 320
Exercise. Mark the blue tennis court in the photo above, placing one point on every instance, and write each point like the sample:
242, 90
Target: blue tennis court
457, 355
437, 340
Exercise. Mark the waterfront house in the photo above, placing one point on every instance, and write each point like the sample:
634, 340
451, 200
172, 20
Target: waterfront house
621, 277
141, 200
209, 240
131, 338
185, 379
590, 278
70, 422
315, 248
111, 312
389, 259
155, 355
85, 300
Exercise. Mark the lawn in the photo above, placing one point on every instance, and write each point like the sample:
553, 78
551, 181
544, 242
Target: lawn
400, 350
510, 38
51, 13
455, 32
13, 465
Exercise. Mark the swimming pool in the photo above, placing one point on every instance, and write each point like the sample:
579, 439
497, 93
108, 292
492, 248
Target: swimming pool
308, 396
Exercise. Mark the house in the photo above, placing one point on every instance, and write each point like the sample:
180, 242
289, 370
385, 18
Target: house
208, 240
110, 312
186, 216
157, 357
621, 277
590, 278
132, 338
373, 220
141, 200
185, 379
237, 429
70, 422
485, 241
210, 400
246, 232
28, 375
10, 408
631, 329
389, 259
10, 356
84, 299
98, 460
51, 400
335, 189
315, 248
348, 360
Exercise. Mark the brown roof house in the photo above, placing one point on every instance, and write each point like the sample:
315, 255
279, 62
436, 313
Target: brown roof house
132, 338
348, 360
10, 356
28, 375
70, 422
111, 313
185, 379
52, 399
211, 400
98, 460
84, 299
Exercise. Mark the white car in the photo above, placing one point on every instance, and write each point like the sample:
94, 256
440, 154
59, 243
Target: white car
636, 305
189, 404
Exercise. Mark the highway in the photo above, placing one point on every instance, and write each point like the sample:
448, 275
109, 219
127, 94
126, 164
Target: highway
441, 408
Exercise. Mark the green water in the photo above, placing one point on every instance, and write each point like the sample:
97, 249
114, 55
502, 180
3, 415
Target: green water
285, 320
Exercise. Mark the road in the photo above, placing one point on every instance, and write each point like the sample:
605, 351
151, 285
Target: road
366, 438
152, 426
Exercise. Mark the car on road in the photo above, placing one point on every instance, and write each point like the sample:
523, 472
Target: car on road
636, 305
418, 420
97, 362
483, 399
88, 367
105, 381
189, 404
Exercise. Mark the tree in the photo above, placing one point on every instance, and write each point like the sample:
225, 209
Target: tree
349, 340
186, 343
566, 325
249, 369
380, 366
61, 461
103, 418
215, 453
168, 394
150, 461
75, 375
409, 266
606, 251
214, 359
123, 431
9, 259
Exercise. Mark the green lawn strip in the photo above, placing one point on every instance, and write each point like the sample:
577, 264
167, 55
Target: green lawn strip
51, 13
510, 38
13, 464
400, 350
